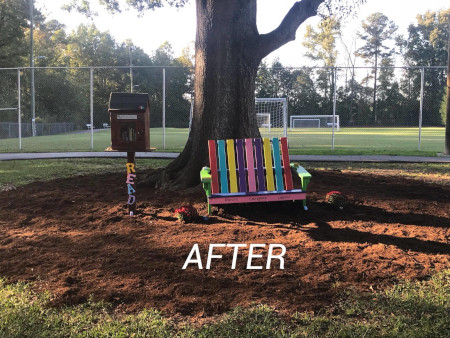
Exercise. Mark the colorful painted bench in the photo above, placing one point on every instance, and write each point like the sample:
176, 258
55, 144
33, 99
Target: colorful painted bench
251, 170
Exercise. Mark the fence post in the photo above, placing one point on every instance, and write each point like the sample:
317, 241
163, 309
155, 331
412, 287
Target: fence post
334, 108
164, 109
19, 112
422, 79
284, 118
32, 89
131, 71
91, 99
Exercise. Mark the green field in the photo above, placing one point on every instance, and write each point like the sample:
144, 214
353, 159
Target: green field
357, 141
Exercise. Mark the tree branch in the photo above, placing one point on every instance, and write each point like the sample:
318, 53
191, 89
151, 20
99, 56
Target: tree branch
285, 32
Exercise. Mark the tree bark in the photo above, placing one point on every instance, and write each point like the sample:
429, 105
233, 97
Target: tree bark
447, 118
228, 51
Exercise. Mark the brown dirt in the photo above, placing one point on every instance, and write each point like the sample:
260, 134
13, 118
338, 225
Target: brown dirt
73, 238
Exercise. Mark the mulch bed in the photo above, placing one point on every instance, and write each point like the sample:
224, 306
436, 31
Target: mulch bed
73, 237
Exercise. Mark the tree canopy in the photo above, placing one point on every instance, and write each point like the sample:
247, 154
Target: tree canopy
377, 31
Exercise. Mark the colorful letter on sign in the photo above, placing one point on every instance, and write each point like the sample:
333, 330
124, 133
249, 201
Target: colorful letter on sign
130, 182
130, 178
130, 168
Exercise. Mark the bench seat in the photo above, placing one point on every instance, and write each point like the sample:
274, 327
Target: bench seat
260, 196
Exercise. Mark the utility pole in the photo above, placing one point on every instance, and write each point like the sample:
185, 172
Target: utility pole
33, 107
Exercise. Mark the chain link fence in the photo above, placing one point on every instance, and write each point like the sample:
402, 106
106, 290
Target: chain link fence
387, 110
390, 110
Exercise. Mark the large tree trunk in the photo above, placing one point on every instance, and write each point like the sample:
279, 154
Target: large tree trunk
226, 64
447, 118
228, 51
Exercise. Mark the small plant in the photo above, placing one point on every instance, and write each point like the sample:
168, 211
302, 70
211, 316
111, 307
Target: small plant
337, 198
186, 213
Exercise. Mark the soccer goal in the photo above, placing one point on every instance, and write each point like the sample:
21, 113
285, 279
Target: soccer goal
314, 121
263, 120
271, 115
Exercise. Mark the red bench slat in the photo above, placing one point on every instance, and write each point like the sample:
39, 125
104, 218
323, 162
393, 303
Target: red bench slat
213, 166
286, 164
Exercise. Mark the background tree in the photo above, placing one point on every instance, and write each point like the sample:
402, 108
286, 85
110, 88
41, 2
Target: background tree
321, 46
178, 87
378, 30
90, 47
426, 45
389, 97
57, 94
13, 26
13, 49
294, 84
274, 81
348, 91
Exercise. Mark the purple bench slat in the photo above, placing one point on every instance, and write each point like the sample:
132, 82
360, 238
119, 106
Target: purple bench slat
241, 165
250, 164
260, 165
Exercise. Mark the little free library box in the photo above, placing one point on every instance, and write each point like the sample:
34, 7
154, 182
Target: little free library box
130, 122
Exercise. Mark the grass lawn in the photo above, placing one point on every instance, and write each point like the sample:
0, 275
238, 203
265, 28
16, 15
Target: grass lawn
17, 173
357, 141
408, 309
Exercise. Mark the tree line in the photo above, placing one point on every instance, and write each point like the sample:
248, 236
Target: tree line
63, 94
382, 96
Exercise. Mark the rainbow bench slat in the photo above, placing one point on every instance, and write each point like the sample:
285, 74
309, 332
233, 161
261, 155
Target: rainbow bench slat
251, 170
277, 164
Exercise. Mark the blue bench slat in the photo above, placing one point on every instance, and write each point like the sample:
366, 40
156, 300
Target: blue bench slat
223, 166
277, 163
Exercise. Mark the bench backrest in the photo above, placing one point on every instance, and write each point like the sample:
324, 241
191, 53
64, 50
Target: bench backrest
249, 165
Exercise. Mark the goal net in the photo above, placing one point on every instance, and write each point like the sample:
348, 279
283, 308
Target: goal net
263, 120
314, 121
271, 115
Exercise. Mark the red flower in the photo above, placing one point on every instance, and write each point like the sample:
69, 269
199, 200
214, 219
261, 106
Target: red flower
337, 198
186, 213
334, 192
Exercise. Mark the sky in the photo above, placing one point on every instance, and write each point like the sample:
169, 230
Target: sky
177, 26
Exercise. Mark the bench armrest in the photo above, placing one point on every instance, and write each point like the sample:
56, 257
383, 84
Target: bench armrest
205, 175
304, 175
205, 178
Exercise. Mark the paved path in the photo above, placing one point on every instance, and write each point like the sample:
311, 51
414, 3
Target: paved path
301, 158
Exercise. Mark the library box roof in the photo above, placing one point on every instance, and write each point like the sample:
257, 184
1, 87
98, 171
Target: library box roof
128, 102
